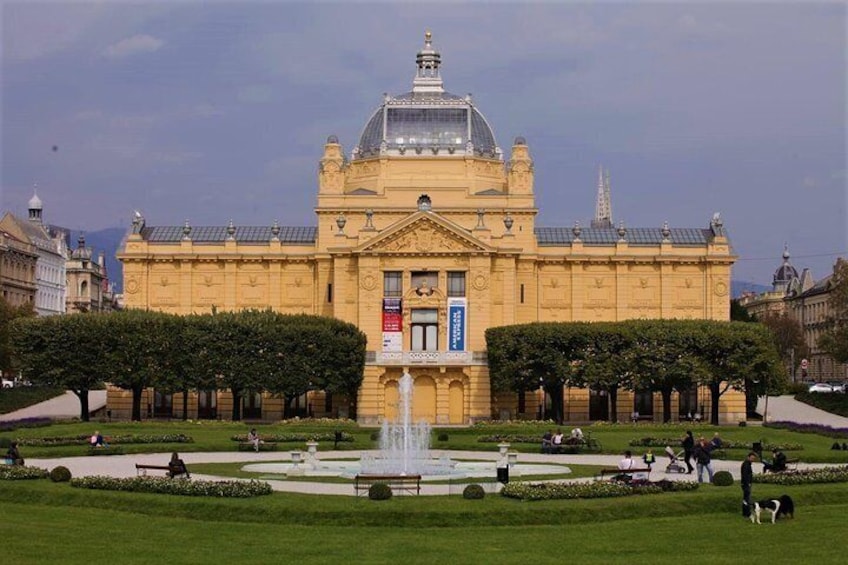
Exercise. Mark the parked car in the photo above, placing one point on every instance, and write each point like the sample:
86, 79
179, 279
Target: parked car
821, 387
837, 386
8, 384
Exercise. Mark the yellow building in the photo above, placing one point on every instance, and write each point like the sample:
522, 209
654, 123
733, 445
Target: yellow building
425, 237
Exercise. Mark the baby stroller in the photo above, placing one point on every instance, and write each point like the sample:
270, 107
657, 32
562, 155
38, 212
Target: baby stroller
675, 464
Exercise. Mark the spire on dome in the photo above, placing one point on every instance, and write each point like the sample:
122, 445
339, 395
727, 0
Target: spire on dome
35, 206
784, 274
427, 78
603, 206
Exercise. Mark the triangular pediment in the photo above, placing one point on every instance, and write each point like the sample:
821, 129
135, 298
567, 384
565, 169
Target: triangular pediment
425, 232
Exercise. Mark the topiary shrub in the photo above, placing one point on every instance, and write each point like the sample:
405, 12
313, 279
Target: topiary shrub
473, 492
375, 436
443, 436
835, 446
380, 491
60, 474
723, 479
743, 424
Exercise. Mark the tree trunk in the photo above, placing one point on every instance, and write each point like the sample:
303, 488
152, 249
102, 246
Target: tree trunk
136, 404
185, 404
666, 398
83, 398
613, 398
715, 394
352, 405
286, 407
236, 405
557, 404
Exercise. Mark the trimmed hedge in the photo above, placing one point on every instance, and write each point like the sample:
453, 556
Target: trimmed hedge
473, 492
725, 444
809, 429
722, 479
60, 474
805, 476
84, 439
21, 473
597, 489
293, 438
380, 491
163, 485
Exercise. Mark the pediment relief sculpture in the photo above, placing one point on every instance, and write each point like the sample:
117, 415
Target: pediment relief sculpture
425, 237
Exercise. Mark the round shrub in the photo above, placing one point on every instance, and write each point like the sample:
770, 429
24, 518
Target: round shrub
375, 436
835, 446
60, 474
443, 436
473, 492
743, 424
722, 479
380, 491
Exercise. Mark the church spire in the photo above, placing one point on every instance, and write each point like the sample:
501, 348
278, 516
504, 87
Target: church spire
603, 206
427, 78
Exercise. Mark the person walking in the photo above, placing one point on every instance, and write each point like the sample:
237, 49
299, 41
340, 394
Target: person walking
747, 473
703, 460
649, 459
688, 446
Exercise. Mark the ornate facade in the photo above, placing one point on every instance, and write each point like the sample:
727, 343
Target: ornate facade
424, 238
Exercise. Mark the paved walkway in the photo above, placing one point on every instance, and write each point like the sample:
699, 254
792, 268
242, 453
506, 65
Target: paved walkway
787, 409
124, 466
62, 407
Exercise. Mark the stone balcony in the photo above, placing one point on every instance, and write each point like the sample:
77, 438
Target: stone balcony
413, 358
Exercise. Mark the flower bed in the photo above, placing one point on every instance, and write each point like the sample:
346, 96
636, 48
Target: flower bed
598, 489
84, 439
675, 441
294, 438
20, 473
162, 485
805, 476
809, 429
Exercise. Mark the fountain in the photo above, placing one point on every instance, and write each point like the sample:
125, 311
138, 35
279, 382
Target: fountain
404, 445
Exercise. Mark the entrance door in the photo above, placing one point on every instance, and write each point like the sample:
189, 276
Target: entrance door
392, 396
598, 405
456, 403
163, 405
643, 403
207, 404
424, 400
252, 407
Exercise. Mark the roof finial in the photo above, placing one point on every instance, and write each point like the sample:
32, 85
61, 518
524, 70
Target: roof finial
427, 78
785, 252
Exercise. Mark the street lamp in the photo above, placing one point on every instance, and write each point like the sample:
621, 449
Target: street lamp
542, 396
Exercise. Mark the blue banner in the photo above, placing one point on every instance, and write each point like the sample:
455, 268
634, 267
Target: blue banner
456, 324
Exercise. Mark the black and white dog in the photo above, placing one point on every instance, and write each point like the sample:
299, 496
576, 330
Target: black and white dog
783, 506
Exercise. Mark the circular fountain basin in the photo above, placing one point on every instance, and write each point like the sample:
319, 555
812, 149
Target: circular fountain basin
349, 468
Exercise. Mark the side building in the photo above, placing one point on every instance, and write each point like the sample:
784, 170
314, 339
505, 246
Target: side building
425, 236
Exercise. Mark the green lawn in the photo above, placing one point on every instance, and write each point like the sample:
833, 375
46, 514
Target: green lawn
54, 523
215, 436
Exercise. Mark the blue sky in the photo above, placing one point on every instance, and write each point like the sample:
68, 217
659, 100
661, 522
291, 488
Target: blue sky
218, 110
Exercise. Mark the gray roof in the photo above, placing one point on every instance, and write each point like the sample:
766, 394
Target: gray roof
684, 237
291, 235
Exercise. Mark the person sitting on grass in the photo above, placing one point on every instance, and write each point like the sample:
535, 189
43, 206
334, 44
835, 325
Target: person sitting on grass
97, 440
177, 466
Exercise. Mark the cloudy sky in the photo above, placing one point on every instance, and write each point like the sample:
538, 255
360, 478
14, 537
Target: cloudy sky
218, 110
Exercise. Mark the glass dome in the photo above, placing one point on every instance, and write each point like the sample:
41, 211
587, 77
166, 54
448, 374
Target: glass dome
427, 120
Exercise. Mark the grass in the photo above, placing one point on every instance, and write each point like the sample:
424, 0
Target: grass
45, 522
18, 397
215, 436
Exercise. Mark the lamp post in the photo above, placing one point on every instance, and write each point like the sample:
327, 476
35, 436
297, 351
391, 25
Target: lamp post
542, 396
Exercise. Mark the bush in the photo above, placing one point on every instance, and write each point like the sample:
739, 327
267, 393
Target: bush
473, 492
805, 476
443, 436
836, 446
375, 436
60, 474
723, 479
380, 491
743, 423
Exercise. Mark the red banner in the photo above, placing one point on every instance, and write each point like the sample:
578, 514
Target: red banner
392, 315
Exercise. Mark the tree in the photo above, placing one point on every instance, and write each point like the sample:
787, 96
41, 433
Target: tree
9, 314
834, 340
788, 337
739, 313
64, 351
608, 362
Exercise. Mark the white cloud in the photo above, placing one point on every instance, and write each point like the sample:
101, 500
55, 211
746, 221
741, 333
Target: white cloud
133, 46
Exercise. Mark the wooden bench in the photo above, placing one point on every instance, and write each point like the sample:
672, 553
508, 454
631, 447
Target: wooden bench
263, 446
644, 473
172, 471
398, 483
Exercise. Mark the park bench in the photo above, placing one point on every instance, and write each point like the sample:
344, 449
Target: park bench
172, 471
398, 483
263, 446
638, 474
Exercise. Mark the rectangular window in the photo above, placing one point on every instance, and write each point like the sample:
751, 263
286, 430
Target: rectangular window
330, 293
392, 284
456, 283
521, 291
